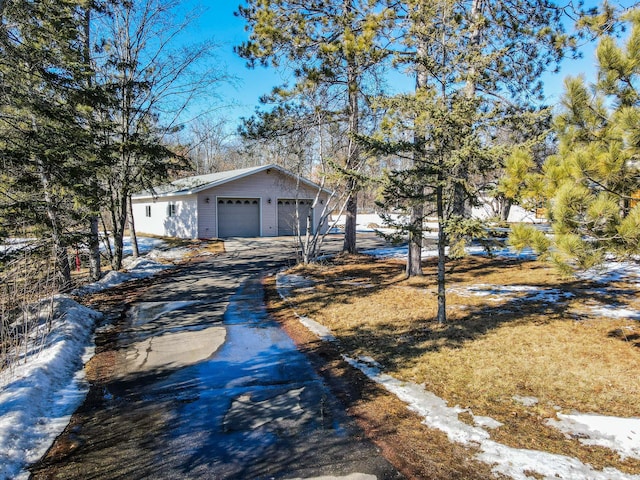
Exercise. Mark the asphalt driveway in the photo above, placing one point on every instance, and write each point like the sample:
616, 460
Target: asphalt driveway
196, 381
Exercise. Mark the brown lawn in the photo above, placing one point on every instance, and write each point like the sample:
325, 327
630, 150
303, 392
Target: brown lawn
494, 347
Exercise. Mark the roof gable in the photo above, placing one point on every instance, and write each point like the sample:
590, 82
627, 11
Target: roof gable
198, 183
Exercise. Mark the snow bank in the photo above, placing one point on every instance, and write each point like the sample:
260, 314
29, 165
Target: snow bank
140, 267
39, 396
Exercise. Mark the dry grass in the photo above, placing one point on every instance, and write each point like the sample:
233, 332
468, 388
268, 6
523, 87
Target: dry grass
493, 347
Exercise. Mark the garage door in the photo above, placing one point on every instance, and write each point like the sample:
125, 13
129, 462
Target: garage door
287, 216
238, 217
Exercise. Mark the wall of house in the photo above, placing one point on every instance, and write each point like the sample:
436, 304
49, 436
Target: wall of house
184, 224
266, 185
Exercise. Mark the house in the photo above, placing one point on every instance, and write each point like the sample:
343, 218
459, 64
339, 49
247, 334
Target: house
249, 202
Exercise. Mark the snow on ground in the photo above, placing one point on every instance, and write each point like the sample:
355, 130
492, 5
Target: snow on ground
619, 434
610, 271
13, 244
145, 245
39, 395
401, 252
136, 268
613, 271
171, 255
610, 432
523, 293
284, 284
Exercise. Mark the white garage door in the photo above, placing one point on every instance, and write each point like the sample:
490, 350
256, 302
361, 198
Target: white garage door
238, 217
287, 216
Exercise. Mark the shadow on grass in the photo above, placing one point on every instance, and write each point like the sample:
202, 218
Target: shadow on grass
364, 277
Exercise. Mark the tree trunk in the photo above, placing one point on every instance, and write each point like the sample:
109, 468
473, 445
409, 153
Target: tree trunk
107, 242
461, 170
505, 208
442, 241
63, 269
95, 271
353, 154
94, 229
119, 220
132, 230
414, 257
351, 213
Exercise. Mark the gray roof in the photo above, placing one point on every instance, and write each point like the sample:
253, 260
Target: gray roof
191, 185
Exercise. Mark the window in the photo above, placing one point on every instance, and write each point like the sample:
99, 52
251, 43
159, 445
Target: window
171, 210
147, 210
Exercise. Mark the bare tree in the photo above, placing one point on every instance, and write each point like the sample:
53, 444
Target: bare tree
155, 76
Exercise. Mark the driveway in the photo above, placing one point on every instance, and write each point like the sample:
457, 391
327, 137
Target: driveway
196, 381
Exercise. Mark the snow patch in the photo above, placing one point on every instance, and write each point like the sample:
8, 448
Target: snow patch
613, 311
317, 328
509, 461
486, 422
526, 401
619, 434
138, 268
39, 395
285, 283
401, 252
613, 271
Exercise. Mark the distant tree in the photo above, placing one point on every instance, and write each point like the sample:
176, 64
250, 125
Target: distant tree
211, 147
592, 185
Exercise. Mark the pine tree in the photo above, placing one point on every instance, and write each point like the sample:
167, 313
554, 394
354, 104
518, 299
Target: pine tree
43, 115
328, 43
466, 57
593, 183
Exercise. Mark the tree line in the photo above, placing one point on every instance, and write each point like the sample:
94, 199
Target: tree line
92, 92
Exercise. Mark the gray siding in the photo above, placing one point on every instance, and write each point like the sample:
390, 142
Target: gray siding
266, 185
196, 214
183, 224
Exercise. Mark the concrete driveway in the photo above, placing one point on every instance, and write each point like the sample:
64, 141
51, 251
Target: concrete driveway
198, 382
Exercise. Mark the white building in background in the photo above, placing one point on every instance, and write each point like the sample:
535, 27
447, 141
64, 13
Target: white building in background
249, 202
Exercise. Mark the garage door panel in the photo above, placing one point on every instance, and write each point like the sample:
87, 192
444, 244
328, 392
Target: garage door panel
238, 217
287, 216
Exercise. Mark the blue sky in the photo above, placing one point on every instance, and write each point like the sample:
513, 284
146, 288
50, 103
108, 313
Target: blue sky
219, 23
